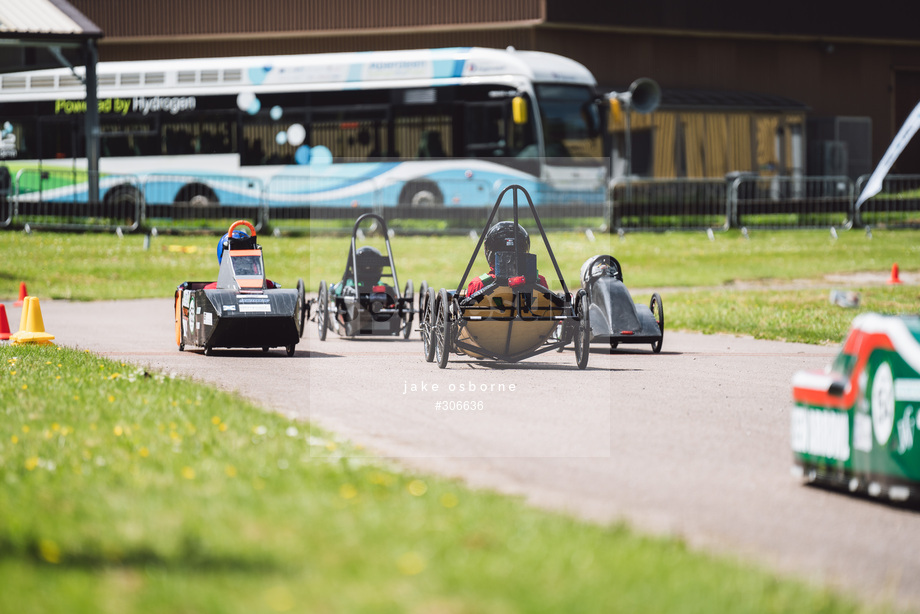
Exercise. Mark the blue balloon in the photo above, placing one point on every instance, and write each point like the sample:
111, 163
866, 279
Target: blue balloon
254, 107
321, 155
302, 155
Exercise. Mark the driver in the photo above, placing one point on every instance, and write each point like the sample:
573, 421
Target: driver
224, 243
501, 237
369, 271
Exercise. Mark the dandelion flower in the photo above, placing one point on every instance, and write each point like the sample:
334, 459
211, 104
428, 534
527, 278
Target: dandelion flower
347, 491
188, 473
417, 488
49, 551
411, 564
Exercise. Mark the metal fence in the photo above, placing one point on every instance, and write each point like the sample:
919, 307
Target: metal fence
735, 202
897, 205
791, 202
59, 199
664, 204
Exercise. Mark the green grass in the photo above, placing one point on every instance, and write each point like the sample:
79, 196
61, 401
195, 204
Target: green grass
127, 491
805, 316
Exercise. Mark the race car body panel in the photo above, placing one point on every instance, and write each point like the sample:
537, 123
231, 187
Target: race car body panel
216, 318
615, 318
242, 309
856, 422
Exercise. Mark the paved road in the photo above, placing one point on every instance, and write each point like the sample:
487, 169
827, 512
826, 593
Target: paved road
690, 442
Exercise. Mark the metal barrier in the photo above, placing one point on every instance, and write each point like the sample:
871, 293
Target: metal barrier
791, 202
331, 203
666, 204
897, 205
59, 199
201, 202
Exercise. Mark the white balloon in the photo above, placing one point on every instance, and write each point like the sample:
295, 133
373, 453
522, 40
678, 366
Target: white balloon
296, 134
244, 100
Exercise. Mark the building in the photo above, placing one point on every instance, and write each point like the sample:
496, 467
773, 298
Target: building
784, 88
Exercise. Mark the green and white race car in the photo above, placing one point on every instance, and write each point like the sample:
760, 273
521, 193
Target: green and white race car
854, 424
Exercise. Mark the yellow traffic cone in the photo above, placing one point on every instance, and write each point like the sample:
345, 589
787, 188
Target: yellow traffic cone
32, 325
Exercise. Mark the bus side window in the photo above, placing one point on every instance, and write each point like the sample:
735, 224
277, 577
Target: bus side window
430, 145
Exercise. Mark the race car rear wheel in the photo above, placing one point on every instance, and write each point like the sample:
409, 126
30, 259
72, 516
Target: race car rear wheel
583, 332
657, 313
407, 312
442, 329
427, 318
322, 311
289, 350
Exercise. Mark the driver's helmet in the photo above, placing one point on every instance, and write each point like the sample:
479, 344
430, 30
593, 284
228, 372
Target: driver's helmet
224, 243
368, 262
601, 266
501, 238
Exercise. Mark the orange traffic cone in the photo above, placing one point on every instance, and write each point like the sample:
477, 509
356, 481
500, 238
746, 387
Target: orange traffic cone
22, 295
894, 274
4, 324
32, 325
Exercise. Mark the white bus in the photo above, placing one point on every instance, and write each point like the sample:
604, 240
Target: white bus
416, 128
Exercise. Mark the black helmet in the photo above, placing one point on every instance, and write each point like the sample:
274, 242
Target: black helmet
501, 237
369, 267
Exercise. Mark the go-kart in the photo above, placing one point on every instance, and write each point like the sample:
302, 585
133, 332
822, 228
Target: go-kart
614, 317
241, 309
361, 304
854, 423
511, 318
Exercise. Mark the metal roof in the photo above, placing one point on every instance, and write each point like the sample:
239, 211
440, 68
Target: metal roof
43, 19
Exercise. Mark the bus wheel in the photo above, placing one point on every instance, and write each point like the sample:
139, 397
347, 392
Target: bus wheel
122, 201
197, 195
421, 195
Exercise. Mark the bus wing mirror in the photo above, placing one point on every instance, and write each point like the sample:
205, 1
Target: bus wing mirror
519, 110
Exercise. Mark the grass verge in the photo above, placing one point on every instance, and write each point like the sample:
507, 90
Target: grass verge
126, 491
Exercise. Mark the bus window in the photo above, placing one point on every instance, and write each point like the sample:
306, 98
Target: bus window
568, 131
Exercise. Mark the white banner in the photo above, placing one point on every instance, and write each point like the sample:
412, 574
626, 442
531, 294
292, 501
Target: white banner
907, 131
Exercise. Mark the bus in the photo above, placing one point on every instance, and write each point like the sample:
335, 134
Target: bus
426, 128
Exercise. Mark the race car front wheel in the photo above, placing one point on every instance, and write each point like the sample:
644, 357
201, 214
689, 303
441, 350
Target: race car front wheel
442, 329
657, 313
322, 311
407, 310
583, 332
427, 318
301, 307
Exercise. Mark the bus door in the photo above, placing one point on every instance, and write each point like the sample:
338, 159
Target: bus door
490, 132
